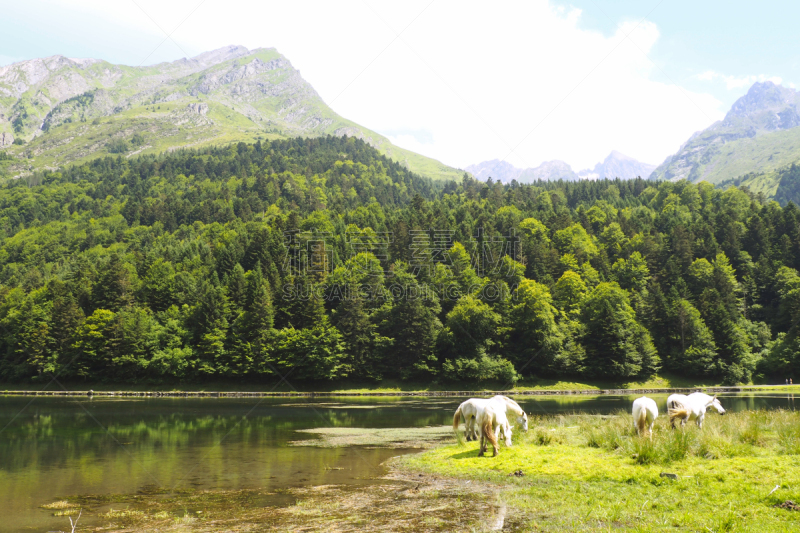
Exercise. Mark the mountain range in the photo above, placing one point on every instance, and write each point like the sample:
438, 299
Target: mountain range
755, 145
59, 110
616, 165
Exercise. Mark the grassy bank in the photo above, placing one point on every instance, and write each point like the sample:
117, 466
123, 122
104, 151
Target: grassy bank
595, 474
386, 386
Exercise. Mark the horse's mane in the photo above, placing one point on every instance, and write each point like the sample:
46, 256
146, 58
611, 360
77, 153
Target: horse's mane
511, 403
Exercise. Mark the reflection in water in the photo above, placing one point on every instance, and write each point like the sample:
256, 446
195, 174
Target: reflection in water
57, 447
739, 401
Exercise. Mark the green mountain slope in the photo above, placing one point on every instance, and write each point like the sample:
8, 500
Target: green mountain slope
70, 110
783, 185
759, 134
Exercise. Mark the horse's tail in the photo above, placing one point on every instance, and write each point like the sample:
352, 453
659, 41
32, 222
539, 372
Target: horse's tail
456, 421
641, 422
677, 414
488, 430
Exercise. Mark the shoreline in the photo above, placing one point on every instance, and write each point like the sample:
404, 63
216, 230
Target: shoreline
462, 393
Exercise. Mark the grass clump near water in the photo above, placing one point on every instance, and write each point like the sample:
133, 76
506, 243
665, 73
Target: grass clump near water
592, 473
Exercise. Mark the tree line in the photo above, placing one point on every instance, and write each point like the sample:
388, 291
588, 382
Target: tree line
320, 259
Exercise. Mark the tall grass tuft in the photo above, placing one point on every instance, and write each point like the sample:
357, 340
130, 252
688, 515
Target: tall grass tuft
608, 433
788, 432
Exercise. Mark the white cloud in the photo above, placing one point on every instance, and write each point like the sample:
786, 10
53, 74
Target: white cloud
737, 82
518, 78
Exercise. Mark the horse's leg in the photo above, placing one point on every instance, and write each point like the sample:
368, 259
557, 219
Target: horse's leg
481, 445
700, 420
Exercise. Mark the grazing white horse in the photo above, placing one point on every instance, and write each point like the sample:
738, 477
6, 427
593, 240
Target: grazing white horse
645, 412
691, 407
489, 421
470, 409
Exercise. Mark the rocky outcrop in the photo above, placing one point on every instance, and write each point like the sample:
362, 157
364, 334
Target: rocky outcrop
6, 139
200, 109
215, 80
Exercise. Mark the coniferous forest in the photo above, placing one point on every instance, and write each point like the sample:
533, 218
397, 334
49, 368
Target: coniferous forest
320, 259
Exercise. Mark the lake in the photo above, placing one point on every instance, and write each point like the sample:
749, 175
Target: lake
55, 447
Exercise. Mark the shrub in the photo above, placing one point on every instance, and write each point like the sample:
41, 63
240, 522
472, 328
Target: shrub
117, 146
481, 368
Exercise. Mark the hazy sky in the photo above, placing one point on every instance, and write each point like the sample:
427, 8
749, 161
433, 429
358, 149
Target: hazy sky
525, 81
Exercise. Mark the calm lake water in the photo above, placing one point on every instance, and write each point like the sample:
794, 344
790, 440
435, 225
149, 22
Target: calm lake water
53, 448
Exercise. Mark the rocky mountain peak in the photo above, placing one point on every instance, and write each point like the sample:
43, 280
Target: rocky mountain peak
762, 96
617, 156
221, 54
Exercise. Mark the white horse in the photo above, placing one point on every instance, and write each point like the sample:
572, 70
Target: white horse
645, 412
691, 407
489, 421
472, 407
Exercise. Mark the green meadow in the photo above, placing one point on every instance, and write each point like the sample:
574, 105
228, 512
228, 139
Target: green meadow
593, 473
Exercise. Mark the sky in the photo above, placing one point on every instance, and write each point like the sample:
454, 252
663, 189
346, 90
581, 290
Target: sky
462, 81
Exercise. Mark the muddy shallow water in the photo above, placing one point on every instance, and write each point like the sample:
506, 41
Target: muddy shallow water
51, 448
